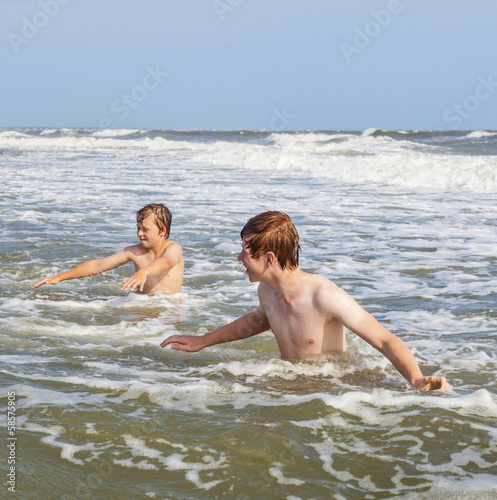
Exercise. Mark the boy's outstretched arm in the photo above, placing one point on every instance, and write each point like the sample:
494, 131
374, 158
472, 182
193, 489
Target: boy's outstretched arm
171, 257
363, 324
88, 268
250, 324
396, 351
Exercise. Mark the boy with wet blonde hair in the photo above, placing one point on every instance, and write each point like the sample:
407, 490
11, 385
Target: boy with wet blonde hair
158, 261
307, 313
161, 215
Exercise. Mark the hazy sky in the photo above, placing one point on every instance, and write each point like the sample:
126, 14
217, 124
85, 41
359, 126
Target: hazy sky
249, 64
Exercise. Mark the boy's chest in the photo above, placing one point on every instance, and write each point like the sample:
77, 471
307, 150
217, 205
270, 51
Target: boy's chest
143, 260
297, 320
304, 330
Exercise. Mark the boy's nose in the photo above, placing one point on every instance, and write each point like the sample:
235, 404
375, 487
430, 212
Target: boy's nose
239, 256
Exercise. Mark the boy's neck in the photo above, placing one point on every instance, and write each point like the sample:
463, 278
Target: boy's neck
286, 282
159, 247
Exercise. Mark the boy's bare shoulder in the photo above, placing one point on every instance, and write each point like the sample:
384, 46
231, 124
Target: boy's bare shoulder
264, 291
325, 292
134, 250
173, 252
173, 247
320, 283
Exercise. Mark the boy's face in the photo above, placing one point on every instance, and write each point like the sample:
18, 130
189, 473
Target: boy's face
254, 267
148, 233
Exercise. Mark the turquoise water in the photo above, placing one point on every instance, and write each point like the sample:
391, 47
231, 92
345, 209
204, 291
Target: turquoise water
405, 222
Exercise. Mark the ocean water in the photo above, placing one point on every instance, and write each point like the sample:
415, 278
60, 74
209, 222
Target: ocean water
92, 407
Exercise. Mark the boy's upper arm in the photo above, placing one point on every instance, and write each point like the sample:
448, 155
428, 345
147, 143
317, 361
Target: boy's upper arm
113, 261
264, 300
339, 305
173, 254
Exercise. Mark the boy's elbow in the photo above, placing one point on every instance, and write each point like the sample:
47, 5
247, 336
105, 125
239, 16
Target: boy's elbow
391, 342
96, 266
252, 324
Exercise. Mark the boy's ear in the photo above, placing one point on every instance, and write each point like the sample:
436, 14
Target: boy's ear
270, 259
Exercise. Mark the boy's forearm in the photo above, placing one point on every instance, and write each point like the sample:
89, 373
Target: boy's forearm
242, 328
391, 346
88, 268
397, 352
160, 265
248, 325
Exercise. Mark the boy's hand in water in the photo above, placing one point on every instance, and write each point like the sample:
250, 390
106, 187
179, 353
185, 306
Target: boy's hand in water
432, 384
189, 343
137, 280
49, 280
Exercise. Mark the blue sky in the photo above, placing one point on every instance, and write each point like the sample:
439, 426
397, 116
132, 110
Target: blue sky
249, 64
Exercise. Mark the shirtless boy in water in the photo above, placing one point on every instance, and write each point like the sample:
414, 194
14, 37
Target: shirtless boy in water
158, 261
307, 313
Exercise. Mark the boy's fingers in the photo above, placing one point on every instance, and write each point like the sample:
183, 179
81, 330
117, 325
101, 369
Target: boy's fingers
170, 340
132, 283
433, 384
44, 281
165, 342
444, 385
128, 284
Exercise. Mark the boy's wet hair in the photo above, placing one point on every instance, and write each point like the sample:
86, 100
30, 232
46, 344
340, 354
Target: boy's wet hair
273, 232
161, 216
